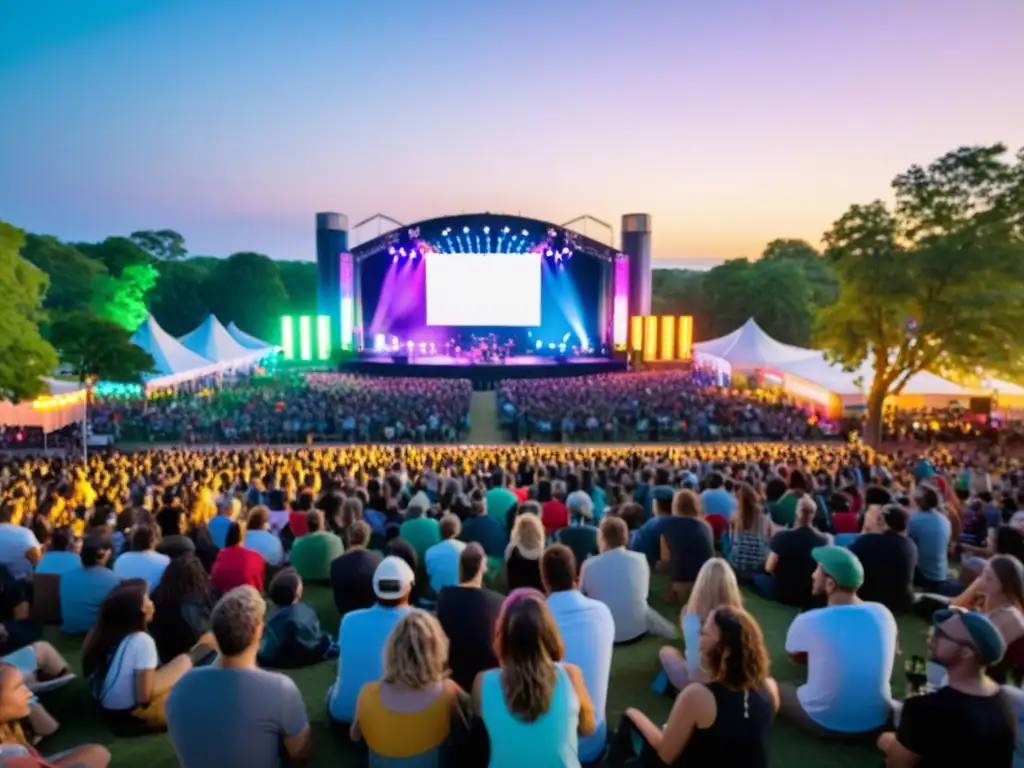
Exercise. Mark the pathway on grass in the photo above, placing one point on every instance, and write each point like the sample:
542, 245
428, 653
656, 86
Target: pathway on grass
484, 428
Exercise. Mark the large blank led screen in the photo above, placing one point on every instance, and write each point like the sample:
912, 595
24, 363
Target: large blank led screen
489, 289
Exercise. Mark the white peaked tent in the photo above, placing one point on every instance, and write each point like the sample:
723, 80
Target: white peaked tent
246, 340
175, 363
212, 341
750, 347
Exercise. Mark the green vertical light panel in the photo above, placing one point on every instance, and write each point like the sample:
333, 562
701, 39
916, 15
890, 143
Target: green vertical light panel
288, 337
305, 338
323, 337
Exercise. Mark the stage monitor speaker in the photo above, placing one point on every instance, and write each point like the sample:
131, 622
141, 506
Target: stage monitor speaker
561, 359
981, 405
400, 359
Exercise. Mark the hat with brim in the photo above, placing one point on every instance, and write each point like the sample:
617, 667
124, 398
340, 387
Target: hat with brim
986, 640
841, 565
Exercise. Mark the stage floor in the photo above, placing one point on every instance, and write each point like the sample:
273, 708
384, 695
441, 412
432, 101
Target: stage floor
482, 374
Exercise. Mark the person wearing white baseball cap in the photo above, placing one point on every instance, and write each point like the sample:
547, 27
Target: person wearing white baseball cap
364, 633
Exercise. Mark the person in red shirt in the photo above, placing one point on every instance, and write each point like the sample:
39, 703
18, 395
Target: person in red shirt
235, 565
553, 512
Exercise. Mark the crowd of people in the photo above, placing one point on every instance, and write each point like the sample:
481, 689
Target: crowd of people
482, 594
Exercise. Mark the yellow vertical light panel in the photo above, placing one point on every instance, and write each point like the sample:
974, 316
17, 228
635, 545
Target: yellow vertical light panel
685, 337
650, 337
668, 337
636, 333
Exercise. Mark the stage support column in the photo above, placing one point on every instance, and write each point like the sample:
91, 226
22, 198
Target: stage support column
636, 244
331, 244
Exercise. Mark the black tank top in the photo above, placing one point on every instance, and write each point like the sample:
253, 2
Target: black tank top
739, 735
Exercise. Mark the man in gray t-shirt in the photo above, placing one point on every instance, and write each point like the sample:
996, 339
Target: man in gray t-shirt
232, 713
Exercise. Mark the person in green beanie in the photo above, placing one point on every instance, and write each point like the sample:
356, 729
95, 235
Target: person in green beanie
849, 647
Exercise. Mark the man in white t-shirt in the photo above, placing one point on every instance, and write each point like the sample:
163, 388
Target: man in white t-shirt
849, 647
19, 548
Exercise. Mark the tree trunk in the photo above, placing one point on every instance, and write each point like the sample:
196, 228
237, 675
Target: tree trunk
873, 425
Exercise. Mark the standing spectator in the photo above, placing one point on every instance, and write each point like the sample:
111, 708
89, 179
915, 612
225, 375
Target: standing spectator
234, 713
143, 561
889, 558
588, 634
313, 553
352, 572
83, 590
850, 647
363, 633
442, 559
237, 565
468, 614
790, 565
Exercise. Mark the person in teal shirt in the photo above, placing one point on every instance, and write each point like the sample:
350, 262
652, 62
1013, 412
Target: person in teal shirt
499, 498
420, 531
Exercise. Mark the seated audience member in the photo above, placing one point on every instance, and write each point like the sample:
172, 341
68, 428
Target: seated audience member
313, 552
352, 572
484, 529
259, 538
82, 591
298, 520
421, 531
588, 636
292, 637
39, 663
850, 647
970, 720
998, 593
783, 511
748, 542
468, 613
716, 587
534, 706
522, 558
406, 716
715, 499
889, 558
442, 559
499, 499
173, 523
142, 561
15, 749
120, 660
621, 579
553, 512
790, 566
722, 722
228, 511
61, 556
647, 539
931, 531
686, 544
236, 564
363, 633
182, 607
232, 712
580, 535
20, 550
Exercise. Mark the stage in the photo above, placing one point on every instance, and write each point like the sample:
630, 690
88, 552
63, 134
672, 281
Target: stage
482, 374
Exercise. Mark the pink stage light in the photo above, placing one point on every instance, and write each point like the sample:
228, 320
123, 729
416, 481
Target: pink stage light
620, 303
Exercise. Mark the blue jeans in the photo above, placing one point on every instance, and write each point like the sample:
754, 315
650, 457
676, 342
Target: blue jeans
765, 585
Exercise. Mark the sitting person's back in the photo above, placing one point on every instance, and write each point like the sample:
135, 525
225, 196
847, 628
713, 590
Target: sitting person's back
143, 561
442, 559
790, 562
233, 713
522, 558
83, 590
259, 538
889, 558
420, 531
580, 535
687, 543
59, 557
183, 604
236, 565
313, 553
292, 636
352, 573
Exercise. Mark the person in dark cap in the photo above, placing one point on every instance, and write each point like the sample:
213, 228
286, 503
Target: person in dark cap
849, 646
971, 720
83, 590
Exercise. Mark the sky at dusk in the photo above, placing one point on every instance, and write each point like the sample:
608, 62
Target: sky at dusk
730, 121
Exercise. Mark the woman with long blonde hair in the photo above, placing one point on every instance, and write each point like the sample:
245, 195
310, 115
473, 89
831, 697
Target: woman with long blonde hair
716, 586
687, 542
408, 713
522, 557
534, 705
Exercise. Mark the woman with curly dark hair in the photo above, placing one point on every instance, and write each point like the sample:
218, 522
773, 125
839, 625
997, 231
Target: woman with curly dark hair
723, 722
183, 603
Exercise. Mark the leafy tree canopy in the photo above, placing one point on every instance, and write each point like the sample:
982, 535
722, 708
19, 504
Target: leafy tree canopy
162, 244
179, 302
71, 272
246, 288
124, 299
116, 254
25, 357
98, 348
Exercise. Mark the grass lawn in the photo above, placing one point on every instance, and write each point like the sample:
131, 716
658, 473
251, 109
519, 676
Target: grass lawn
633, 670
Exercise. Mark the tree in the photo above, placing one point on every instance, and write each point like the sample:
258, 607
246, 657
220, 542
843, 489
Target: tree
821, 282
25, 357
124, 299
71, 273
163, 244
681, 292
246, 288
937, 281
179, 301
790, 248
116, 254
300, 283
97, 348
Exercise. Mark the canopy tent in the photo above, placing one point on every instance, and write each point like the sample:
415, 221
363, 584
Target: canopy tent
213, 341
65, 404
175, 363
246, 340
750, 347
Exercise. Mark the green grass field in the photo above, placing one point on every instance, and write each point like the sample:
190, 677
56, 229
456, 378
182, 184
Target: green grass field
633, 670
